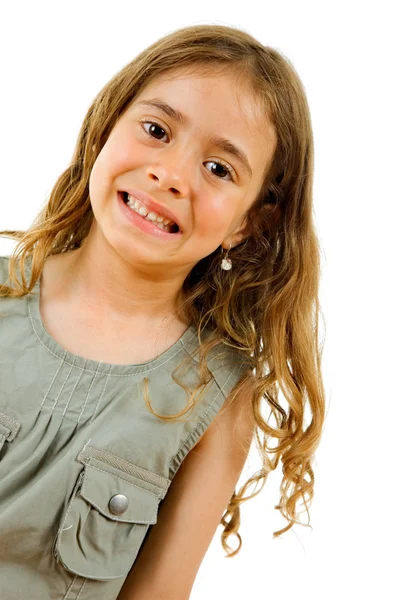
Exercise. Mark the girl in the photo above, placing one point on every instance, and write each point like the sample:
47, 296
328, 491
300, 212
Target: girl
167, 288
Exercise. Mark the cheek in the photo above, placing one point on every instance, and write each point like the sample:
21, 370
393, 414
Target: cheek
96, 179
119, 155
214, 215
125, 156
116, 158
102, 176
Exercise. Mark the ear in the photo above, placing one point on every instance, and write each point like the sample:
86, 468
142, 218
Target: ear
243, 230
237, 235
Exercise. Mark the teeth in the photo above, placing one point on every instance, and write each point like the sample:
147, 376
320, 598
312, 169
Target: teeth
158, 220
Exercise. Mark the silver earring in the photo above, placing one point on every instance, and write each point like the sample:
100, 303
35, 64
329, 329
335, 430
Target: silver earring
226, 262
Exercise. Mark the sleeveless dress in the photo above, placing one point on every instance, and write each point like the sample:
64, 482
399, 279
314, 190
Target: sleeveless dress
84, 465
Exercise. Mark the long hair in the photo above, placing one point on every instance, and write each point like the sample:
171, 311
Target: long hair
266, 307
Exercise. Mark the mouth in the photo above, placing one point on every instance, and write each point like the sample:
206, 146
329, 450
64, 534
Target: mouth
163, 223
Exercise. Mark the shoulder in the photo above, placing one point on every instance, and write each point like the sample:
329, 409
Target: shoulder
5, 268
193, 507
226, 363
4, 260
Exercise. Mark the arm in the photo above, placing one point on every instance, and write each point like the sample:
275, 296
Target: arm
190, 513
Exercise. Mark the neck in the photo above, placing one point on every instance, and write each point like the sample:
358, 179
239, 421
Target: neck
96, 276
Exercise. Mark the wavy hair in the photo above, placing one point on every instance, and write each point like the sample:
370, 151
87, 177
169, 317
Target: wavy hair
267, 306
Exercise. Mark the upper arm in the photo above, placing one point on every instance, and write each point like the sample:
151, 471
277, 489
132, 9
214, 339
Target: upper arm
190, 513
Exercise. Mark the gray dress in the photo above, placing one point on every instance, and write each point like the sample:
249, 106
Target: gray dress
84, 465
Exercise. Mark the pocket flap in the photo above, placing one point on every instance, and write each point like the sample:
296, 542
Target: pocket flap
99, 487
95, 542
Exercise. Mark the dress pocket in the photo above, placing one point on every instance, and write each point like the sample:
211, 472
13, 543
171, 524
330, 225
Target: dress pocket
9, 428
107, 516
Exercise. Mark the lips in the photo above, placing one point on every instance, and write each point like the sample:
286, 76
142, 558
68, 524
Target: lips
152, 205
171, 227
146, 225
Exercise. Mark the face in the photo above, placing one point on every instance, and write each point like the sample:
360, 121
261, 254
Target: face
178, 164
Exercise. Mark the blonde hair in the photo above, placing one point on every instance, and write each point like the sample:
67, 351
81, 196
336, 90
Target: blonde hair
266, 307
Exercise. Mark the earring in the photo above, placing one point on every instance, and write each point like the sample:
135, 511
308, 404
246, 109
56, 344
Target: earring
226, 262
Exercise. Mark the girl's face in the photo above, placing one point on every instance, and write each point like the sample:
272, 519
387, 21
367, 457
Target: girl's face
178, 164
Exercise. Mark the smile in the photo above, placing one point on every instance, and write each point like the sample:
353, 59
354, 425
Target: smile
158, 220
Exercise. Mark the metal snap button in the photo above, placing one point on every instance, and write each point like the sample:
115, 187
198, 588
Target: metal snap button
118, 504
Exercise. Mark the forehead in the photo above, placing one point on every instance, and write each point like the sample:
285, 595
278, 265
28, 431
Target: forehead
213, 103
207, 94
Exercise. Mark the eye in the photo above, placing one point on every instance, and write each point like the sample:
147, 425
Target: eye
154, 126
224, 168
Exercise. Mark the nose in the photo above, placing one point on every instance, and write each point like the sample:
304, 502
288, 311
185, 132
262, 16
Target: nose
171, 172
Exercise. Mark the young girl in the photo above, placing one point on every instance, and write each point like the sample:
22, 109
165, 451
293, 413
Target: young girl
168, 287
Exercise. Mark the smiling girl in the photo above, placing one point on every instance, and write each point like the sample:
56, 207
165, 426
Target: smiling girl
165, 293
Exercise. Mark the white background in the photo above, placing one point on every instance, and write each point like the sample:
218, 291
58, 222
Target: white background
55, 57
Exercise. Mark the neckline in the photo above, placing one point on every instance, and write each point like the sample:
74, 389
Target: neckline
87, 364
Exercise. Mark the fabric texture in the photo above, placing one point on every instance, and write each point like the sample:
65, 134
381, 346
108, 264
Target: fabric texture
84, 465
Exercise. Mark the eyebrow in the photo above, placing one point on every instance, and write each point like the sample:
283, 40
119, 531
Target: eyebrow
221, 142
